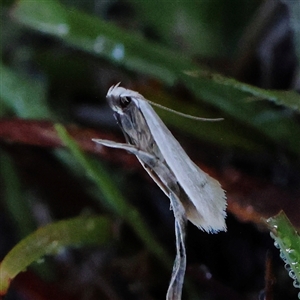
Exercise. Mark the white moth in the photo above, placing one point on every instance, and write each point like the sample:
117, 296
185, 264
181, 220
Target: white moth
152, 142
194, 195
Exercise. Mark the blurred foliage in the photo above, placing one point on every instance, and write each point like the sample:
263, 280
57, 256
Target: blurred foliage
59, 58
29, 96
137, 54
51, 240
15, 203
196, 27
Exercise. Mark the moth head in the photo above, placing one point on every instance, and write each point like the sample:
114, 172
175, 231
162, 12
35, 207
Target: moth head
121, 99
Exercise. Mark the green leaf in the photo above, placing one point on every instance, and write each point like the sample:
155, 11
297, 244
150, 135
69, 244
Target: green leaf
225, 133
49, 240
113, 198
100, 38
13, 197
24, 96
288, 241
16, 203
231, 97
289, 99
183, 24
197, 27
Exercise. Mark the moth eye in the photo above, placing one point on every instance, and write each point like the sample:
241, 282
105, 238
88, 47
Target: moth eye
124, 101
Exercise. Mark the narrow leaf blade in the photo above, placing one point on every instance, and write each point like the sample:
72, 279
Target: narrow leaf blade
49, 240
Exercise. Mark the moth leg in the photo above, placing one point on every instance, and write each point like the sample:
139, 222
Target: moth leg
145, 158
154, 166
165, 179
142, 155
113, 144
179, 267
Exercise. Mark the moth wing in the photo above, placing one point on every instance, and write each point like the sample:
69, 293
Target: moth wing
208, 198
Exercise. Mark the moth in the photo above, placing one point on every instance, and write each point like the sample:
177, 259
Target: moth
193, 194
201, 197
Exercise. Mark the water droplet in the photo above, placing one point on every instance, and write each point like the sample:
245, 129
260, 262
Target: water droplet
282, 255
62, 29
53, 247
40, 260
99, 44
54, 244
90, 225
287, 267
118, 52
296, 284
292, 274
276, 245
289, 250
297, 267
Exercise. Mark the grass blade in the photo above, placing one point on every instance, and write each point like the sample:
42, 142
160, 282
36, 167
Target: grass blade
49, 240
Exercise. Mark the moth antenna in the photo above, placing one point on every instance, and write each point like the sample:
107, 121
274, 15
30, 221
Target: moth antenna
185, 115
